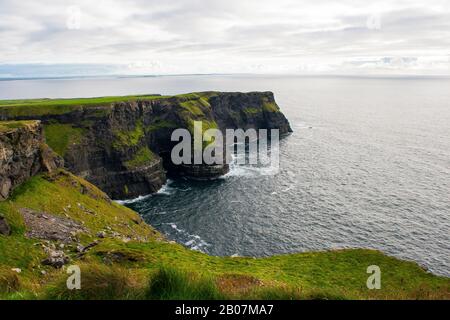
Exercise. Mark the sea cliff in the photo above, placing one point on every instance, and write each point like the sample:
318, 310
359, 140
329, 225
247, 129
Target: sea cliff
122, 144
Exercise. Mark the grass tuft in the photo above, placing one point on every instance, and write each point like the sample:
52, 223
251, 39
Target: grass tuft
173, 284
98, 282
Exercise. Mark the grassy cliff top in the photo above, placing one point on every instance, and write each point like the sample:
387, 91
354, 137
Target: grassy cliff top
75, 101
95, 100
42, 107
131, 260
10, 125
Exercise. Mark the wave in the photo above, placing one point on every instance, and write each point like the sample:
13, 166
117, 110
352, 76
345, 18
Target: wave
140, 198
248, 170
165, 190
192, 241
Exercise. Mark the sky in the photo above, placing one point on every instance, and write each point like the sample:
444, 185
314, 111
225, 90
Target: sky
224, 36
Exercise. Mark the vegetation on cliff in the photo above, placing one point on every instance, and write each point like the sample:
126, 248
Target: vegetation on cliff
128, 259
102, 100
128, 137
142, 157
10, 125
60, 136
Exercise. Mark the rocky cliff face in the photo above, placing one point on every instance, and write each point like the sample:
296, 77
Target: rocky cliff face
124, 147
23, 154
256, 110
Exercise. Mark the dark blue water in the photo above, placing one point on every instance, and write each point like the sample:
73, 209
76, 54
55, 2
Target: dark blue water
368, 165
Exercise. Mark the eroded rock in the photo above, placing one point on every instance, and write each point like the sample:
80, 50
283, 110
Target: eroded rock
56, 258
83, 249
23, 154
42, 225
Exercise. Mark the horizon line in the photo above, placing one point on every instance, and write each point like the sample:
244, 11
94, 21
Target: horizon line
312, 75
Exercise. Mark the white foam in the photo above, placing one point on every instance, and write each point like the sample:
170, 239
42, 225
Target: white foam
166, 189
194, 242
175, 227
140, 198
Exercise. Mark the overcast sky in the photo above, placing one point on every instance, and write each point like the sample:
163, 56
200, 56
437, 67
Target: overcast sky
230, 36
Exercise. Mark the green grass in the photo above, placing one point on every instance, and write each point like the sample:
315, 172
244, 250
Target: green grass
196, 95
60, 136
252, 110
75, 101
196, 104
206, 125
42, 107
270, 107
160, 124
128, 137
142, 157
48, 104
194, 107
150, 267
170, 283
99, 282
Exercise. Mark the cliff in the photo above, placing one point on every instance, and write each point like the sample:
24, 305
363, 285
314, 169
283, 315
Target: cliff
122, 144
23, 154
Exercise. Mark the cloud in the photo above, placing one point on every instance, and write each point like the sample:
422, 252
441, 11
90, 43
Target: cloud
191, 36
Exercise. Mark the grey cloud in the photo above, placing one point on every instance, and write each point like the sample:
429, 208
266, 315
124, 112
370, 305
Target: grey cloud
263, 32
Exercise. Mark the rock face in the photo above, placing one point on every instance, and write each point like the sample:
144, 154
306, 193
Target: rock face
124, 147
256, 110
23, 154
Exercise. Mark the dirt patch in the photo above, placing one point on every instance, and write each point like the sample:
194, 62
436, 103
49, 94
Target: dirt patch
42, 225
